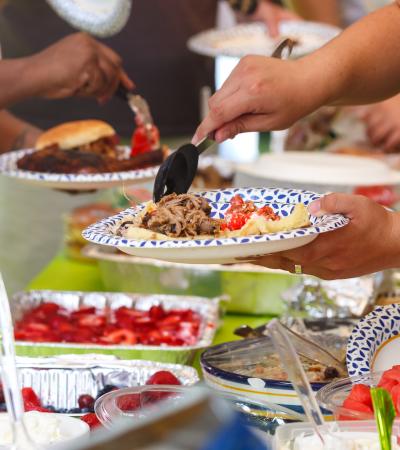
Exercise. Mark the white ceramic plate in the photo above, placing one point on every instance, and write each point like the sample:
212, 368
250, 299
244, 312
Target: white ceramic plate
74, 182
374, 344
318, 168
226, 250
246, 39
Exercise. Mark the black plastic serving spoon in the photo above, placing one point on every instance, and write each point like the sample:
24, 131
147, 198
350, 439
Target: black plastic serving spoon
177, 172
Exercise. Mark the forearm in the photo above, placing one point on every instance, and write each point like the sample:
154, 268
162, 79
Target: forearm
362, 65
18, 81
16, 133
327, 11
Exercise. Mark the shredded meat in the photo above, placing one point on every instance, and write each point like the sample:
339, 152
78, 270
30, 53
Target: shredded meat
182, 215
98, 157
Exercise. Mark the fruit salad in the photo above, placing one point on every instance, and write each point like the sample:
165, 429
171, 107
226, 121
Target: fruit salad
50, 322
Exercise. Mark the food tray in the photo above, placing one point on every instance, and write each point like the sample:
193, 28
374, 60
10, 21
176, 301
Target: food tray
251, 289
207, 308
59, 382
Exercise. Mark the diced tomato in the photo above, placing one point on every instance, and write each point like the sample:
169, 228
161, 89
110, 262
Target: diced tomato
362, 394
236, 201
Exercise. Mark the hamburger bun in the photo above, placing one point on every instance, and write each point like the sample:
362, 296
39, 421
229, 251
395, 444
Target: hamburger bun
74, 134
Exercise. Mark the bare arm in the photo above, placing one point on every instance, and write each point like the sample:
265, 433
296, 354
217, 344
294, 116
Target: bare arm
362, 65
16, 133
327, 11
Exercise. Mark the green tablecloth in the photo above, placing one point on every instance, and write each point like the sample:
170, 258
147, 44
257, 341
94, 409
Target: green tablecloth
63, 273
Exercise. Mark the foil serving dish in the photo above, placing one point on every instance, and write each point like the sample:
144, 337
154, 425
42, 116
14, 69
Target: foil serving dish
59, 382
207, 308
251, 289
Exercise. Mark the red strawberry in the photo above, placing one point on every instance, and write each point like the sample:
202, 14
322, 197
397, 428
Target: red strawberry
29, 396
29, 406
156, 312
129, 402
361, 393
92, 420
163, 377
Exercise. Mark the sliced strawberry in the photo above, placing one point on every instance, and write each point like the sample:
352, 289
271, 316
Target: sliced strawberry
92, 420
29, 406
124, 337
362, 394
156, 312
91, 320
84, 311
29, 395
163, 377
37, 326
129, 402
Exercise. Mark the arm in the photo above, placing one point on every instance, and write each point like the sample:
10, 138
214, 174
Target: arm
361, 65
75, 65
16, 133
327, 11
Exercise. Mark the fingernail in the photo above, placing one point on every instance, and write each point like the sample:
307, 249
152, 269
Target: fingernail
314, 208
195, 139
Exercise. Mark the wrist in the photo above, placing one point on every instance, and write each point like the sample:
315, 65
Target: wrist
33, 81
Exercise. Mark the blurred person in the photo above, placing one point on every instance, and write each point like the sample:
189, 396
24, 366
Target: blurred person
74, 66
265, 94
30, 225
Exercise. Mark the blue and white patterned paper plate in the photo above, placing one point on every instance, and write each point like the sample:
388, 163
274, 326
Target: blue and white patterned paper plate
76, 182
221, 250
375, 341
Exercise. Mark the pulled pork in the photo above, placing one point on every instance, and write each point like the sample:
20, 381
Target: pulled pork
184, 215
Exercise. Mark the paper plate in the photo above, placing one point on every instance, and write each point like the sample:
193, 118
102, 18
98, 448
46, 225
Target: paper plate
242, 40
318, 168
220, 250
374, 344
74, 182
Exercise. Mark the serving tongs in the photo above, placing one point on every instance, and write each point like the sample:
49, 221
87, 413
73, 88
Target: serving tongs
305, 347
177, 172
9, 375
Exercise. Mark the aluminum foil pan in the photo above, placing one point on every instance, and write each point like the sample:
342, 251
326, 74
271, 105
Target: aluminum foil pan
207, 308
315, 298
59, 382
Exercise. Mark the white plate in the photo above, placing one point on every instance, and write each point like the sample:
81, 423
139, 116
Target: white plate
74, 182
246, 39
374, 344
318, 168
224, 250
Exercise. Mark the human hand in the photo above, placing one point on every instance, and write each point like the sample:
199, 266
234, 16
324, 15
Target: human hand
272, 15
77, 65
369, 243
383, 123
263, 94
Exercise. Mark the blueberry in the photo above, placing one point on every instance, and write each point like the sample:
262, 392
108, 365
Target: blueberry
51, 408
87, 410
63, 411
107, 388
74, 411
3, 407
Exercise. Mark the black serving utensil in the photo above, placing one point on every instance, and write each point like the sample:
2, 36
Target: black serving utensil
177, 172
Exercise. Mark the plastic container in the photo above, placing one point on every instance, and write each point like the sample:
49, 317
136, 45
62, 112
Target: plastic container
143, 401
286, 433
333, 395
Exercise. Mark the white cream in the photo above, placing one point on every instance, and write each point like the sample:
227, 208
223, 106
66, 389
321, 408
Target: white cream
43, 428
340, 441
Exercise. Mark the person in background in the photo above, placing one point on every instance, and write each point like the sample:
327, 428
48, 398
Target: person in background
74, 66
264, 94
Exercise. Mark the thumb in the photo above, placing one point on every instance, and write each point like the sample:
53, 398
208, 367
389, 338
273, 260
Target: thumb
333, 204
243, 124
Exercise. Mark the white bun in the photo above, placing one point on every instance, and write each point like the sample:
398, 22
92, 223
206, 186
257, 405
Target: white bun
73, 134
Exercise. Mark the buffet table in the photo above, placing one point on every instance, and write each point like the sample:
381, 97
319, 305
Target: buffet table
63, 273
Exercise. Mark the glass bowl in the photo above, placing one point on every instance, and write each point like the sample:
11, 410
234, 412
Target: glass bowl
333, 395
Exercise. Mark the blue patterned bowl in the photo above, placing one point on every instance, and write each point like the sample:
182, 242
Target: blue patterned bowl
221, 250
70, 181
374, 344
